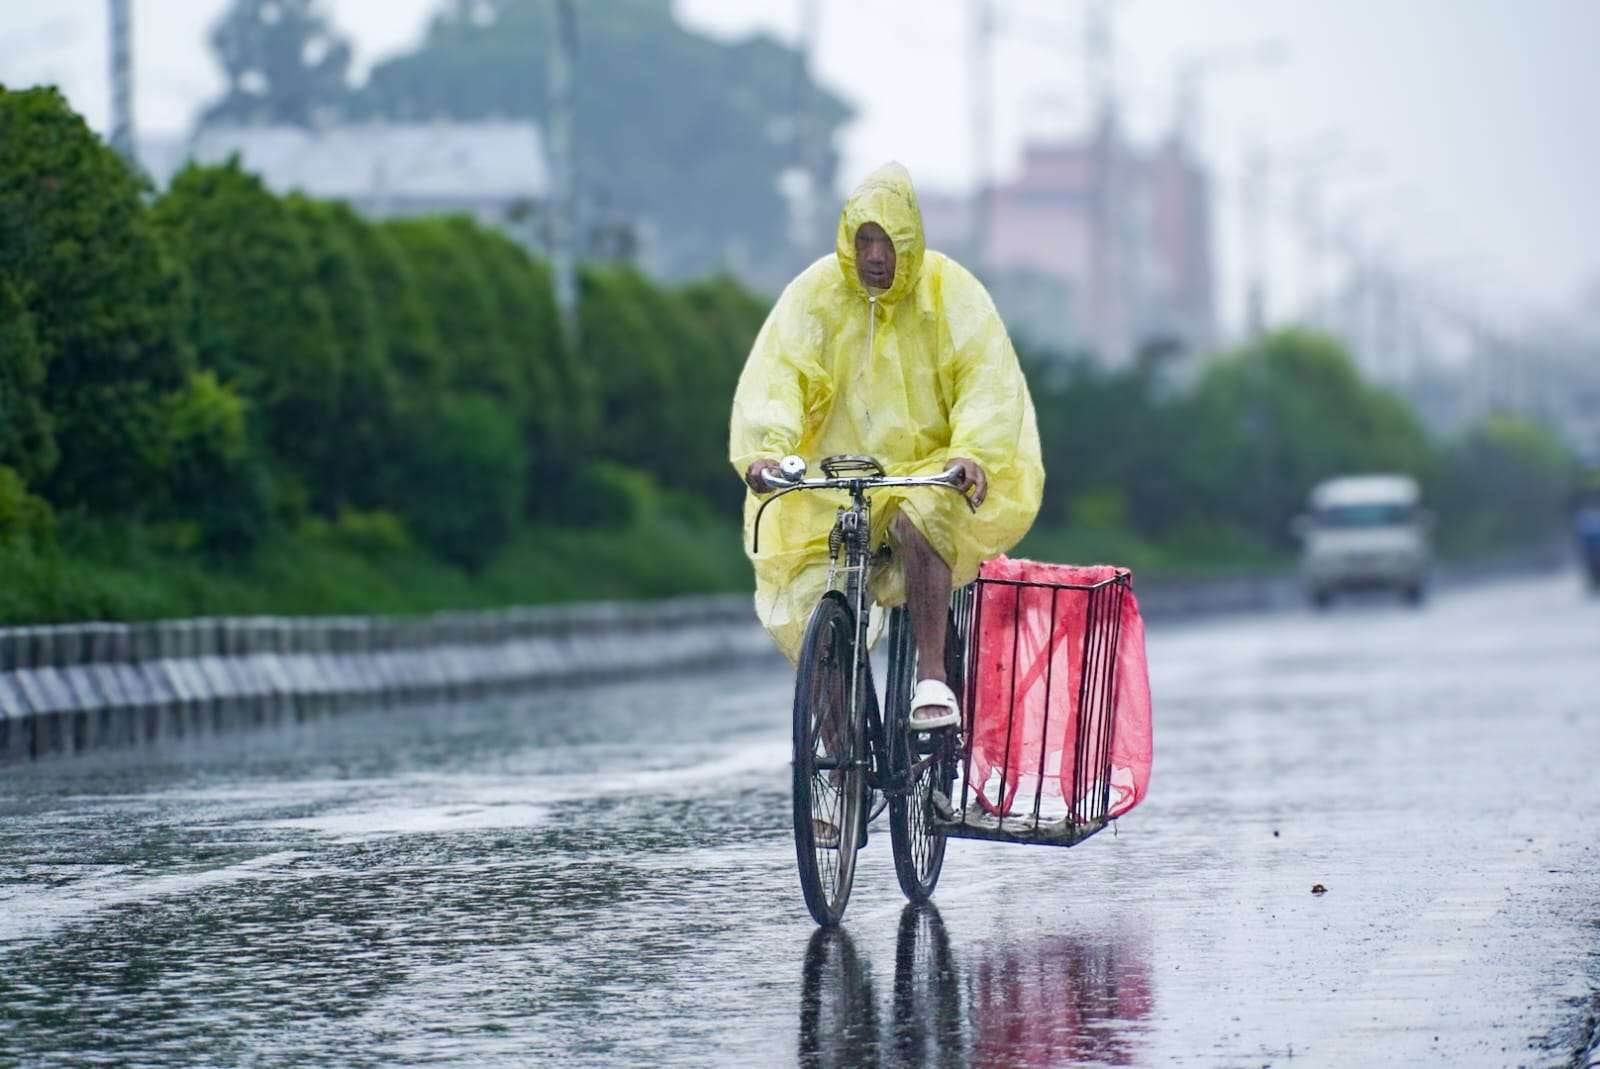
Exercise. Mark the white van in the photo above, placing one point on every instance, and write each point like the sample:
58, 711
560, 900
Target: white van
1365, 531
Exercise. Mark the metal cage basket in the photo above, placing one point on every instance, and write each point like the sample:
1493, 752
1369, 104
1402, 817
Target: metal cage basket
1040, 685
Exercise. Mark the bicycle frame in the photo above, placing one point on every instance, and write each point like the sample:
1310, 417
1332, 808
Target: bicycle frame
850, 539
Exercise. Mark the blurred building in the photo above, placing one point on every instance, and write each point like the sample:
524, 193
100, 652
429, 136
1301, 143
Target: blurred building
497, 172
1095, 244
489, 170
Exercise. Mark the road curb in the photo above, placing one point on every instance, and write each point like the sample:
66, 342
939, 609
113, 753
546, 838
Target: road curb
76, 687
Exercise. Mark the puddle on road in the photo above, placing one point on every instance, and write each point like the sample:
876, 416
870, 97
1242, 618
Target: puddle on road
420, 820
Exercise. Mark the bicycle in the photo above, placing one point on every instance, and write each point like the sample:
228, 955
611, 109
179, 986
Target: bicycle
850, 760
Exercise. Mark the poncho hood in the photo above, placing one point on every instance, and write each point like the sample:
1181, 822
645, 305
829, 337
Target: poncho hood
885, 197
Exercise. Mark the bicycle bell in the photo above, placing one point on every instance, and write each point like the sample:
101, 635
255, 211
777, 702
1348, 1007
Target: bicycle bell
792, 468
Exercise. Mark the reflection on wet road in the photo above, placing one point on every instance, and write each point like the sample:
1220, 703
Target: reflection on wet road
605, 877
1059, 1001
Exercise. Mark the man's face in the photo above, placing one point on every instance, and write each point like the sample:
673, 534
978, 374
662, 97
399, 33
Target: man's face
874, 257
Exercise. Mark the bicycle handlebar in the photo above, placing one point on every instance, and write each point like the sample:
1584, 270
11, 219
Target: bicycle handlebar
782, 486
869, 482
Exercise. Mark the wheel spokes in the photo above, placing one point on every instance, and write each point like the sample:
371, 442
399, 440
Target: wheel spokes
919, 806
830, 766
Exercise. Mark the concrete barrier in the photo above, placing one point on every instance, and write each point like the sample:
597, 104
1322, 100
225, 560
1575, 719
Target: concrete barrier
162, 702
111, 654
16, 714
70, 688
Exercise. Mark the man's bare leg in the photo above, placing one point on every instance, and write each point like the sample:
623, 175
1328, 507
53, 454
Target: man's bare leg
927, 597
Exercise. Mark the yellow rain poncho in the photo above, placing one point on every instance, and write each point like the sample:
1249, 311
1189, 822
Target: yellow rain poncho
914, 376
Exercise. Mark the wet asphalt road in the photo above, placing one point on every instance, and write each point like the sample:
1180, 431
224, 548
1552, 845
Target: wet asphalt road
605, 877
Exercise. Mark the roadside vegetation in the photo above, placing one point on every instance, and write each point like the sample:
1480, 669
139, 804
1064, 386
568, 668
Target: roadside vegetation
219, 400
1208, 475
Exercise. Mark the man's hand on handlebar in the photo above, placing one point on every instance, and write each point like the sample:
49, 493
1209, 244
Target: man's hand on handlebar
755, 475
969, 479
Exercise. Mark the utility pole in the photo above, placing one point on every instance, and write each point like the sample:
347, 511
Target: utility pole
1253, 237
1100, 53
981, 65
809, 150
1108, 284
561, 45
1386, 344
122, 138
1315, 250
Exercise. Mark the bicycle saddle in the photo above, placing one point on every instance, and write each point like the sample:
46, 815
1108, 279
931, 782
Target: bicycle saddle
845, 465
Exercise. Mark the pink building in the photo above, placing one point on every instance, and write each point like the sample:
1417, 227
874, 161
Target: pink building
1095, 244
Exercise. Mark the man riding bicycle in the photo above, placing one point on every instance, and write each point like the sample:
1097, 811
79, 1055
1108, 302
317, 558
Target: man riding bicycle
888, 350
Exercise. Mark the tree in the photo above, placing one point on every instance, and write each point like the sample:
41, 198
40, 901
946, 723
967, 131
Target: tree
1109, 446
634, 367
686, 134
405, 322
1503, 482
729, 318
1272, 420
211, 477
366, 396
80, 261
464, 479
263, 323
561, 409
460, 296
284, 64
27, 442
1234, 458
23, 516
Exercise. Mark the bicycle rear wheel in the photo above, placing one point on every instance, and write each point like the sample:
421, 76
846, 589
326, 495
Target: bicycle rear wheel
925, 761
828, 777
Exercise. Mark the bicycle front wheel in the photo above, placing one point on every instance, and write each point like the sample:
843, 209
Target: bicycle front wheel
828, 774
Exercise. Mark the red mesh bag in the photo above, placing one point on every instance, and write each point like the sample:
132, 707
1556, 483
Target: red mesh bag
1058, 694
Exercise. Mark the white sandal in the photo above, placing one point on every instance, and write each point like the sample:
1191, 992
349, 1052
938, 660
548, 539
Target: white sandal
933, 706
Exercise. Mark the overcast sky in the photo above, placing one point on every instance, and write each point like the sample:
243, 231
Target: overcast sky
1458, 135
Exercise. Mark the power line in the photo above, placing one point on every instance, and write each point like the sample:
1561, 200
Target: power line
1195, 68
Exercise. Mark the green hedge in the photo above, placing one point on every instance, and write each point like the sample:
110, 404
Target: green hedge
223, 363
94, 312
